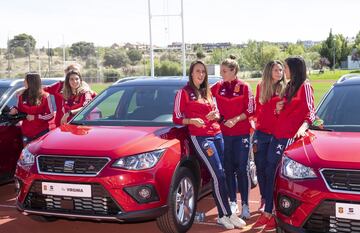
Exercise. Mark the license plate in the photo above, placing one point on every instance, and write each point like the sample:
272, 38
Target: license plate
63, 189
348, 211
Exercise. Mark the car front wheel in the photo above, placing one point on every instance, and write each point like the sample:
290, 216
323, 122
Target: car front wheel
182, 203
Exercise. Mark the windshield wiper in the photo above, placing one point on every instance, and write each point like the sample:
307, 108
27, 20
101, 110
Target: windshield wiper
312, 127
77, 123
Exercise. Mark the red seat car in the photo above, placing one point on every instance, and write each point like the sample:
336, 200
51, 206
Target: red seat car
318, 183
120, 158
10, 133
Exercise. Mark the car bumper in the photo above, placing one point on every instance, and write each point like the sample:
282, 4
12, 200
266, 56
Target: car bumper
314, 206
113, 195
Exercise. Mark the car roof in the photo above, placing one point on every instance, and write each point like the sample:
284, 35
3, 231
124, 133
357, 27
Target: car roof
11, 82
159, 80
348, 79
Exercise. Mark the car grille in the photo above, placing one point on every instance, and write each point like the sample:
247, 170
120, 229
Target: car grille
342, 180
66, 165
323, 220
100, 203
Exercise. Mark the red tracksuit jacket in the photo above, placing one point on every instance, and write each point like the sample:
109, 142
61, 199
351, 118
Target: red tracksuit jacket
299, 109
234, 98
56, 90
43, 113
265, 113
75, 102
187, 106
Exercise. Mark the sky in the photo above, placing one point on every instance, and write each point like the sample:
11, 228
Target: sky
105, 22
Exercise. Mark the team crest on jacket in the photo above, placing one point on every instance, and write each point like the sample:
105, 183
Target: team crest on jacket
237, 88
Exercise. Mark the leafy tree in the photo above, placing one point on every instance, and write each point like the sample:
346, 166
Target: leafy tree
342, 48
357, 39
82, 49
217, 56
200, 54
295, 49
115, 58
91, 62
19, 52
166, 68
50, 52
25, 41
134, 55
328, 49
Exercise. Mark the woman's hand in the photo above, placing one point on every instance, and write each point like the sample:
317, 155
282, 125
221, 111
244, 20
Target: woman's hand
213, 115
64, 119
279, 106
30, 117
13, 111
198, 122
231, 122
302, 130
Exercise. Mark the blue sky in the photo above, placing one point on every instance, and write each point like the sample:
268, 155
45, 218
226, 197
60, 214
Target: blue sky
117, 21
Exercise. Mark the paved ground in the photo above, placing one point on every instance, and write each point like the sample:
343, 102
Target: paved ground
11, 221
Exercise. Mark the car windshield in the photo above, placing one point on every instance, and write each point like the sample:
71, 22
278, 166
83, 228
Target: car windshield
130, 106
340, 110
2, 90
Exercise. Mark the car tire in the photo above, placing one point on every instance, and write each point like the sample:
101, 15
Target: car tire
42, 218
181, 204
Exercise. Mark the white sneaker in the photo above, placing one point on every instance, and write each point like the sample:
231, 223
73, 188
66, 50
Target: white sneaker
234, 207
245, 213
236, 221
225, 222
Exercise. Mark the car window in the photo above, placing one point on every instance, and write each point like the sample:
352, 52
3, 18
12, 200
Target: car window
2, 90
137, 105
340, 110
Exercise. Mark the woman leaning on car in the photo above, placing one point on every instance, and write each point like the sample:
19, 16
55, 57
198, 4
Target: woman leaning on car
195, 108
269, 92
76, 94
293, 120
36, 103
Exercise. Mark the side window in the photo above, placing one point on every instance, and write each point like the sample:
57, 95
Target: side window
108, 107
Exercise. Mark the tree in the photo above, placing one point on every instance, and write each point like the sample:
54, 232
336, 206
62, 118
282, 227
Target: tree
115, 58
134, 55
25, 41
19, 52
295, 49
200, 54
328, 49
82, 49
357, 39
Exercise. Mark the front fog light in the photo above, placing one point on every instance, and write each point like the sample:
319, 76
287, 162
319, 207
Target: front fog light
287, 205
143, 194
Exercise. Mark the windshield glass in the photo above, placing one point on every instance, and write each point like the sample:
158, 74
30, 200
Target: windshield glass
2, 90
340, 109
130, 105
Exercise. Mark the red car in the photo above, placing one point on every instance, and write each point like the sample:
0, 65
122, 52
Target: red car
10, 134
318, 183
120, 158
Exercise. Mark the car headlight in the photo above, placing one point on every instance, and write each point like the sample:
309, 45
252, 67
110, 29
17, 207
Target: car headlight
140, 161
26, 159
294, 170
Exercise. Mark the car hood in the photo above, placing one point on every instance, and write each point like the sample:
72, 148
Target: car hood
101, 140
324, 149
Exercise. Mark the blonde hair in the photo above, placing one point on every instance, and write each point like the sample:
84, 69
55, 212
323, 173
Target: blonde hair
72, 66
231, 63
268, 88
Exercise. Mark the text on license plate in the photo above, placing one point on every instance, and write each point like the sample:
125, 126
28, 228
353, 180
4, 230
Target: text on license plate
63, 189
346, 210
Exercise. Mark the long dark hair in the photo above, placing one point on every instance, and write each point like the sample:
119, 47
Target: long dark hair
298, 75
34, 91
204, 86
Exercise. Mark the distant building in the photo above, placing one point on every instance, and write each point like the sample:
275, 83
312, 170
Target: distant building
350, 64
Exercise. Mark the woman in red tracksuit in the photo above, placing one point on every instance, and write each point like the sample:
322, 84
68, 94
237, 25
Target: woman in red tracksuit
37, 105
236, 104
75, 95
194, 107
293, 120
56, 90
268, 93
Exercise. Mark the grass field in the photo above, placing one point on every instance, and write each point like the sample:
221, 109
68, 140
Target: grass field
320, 82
